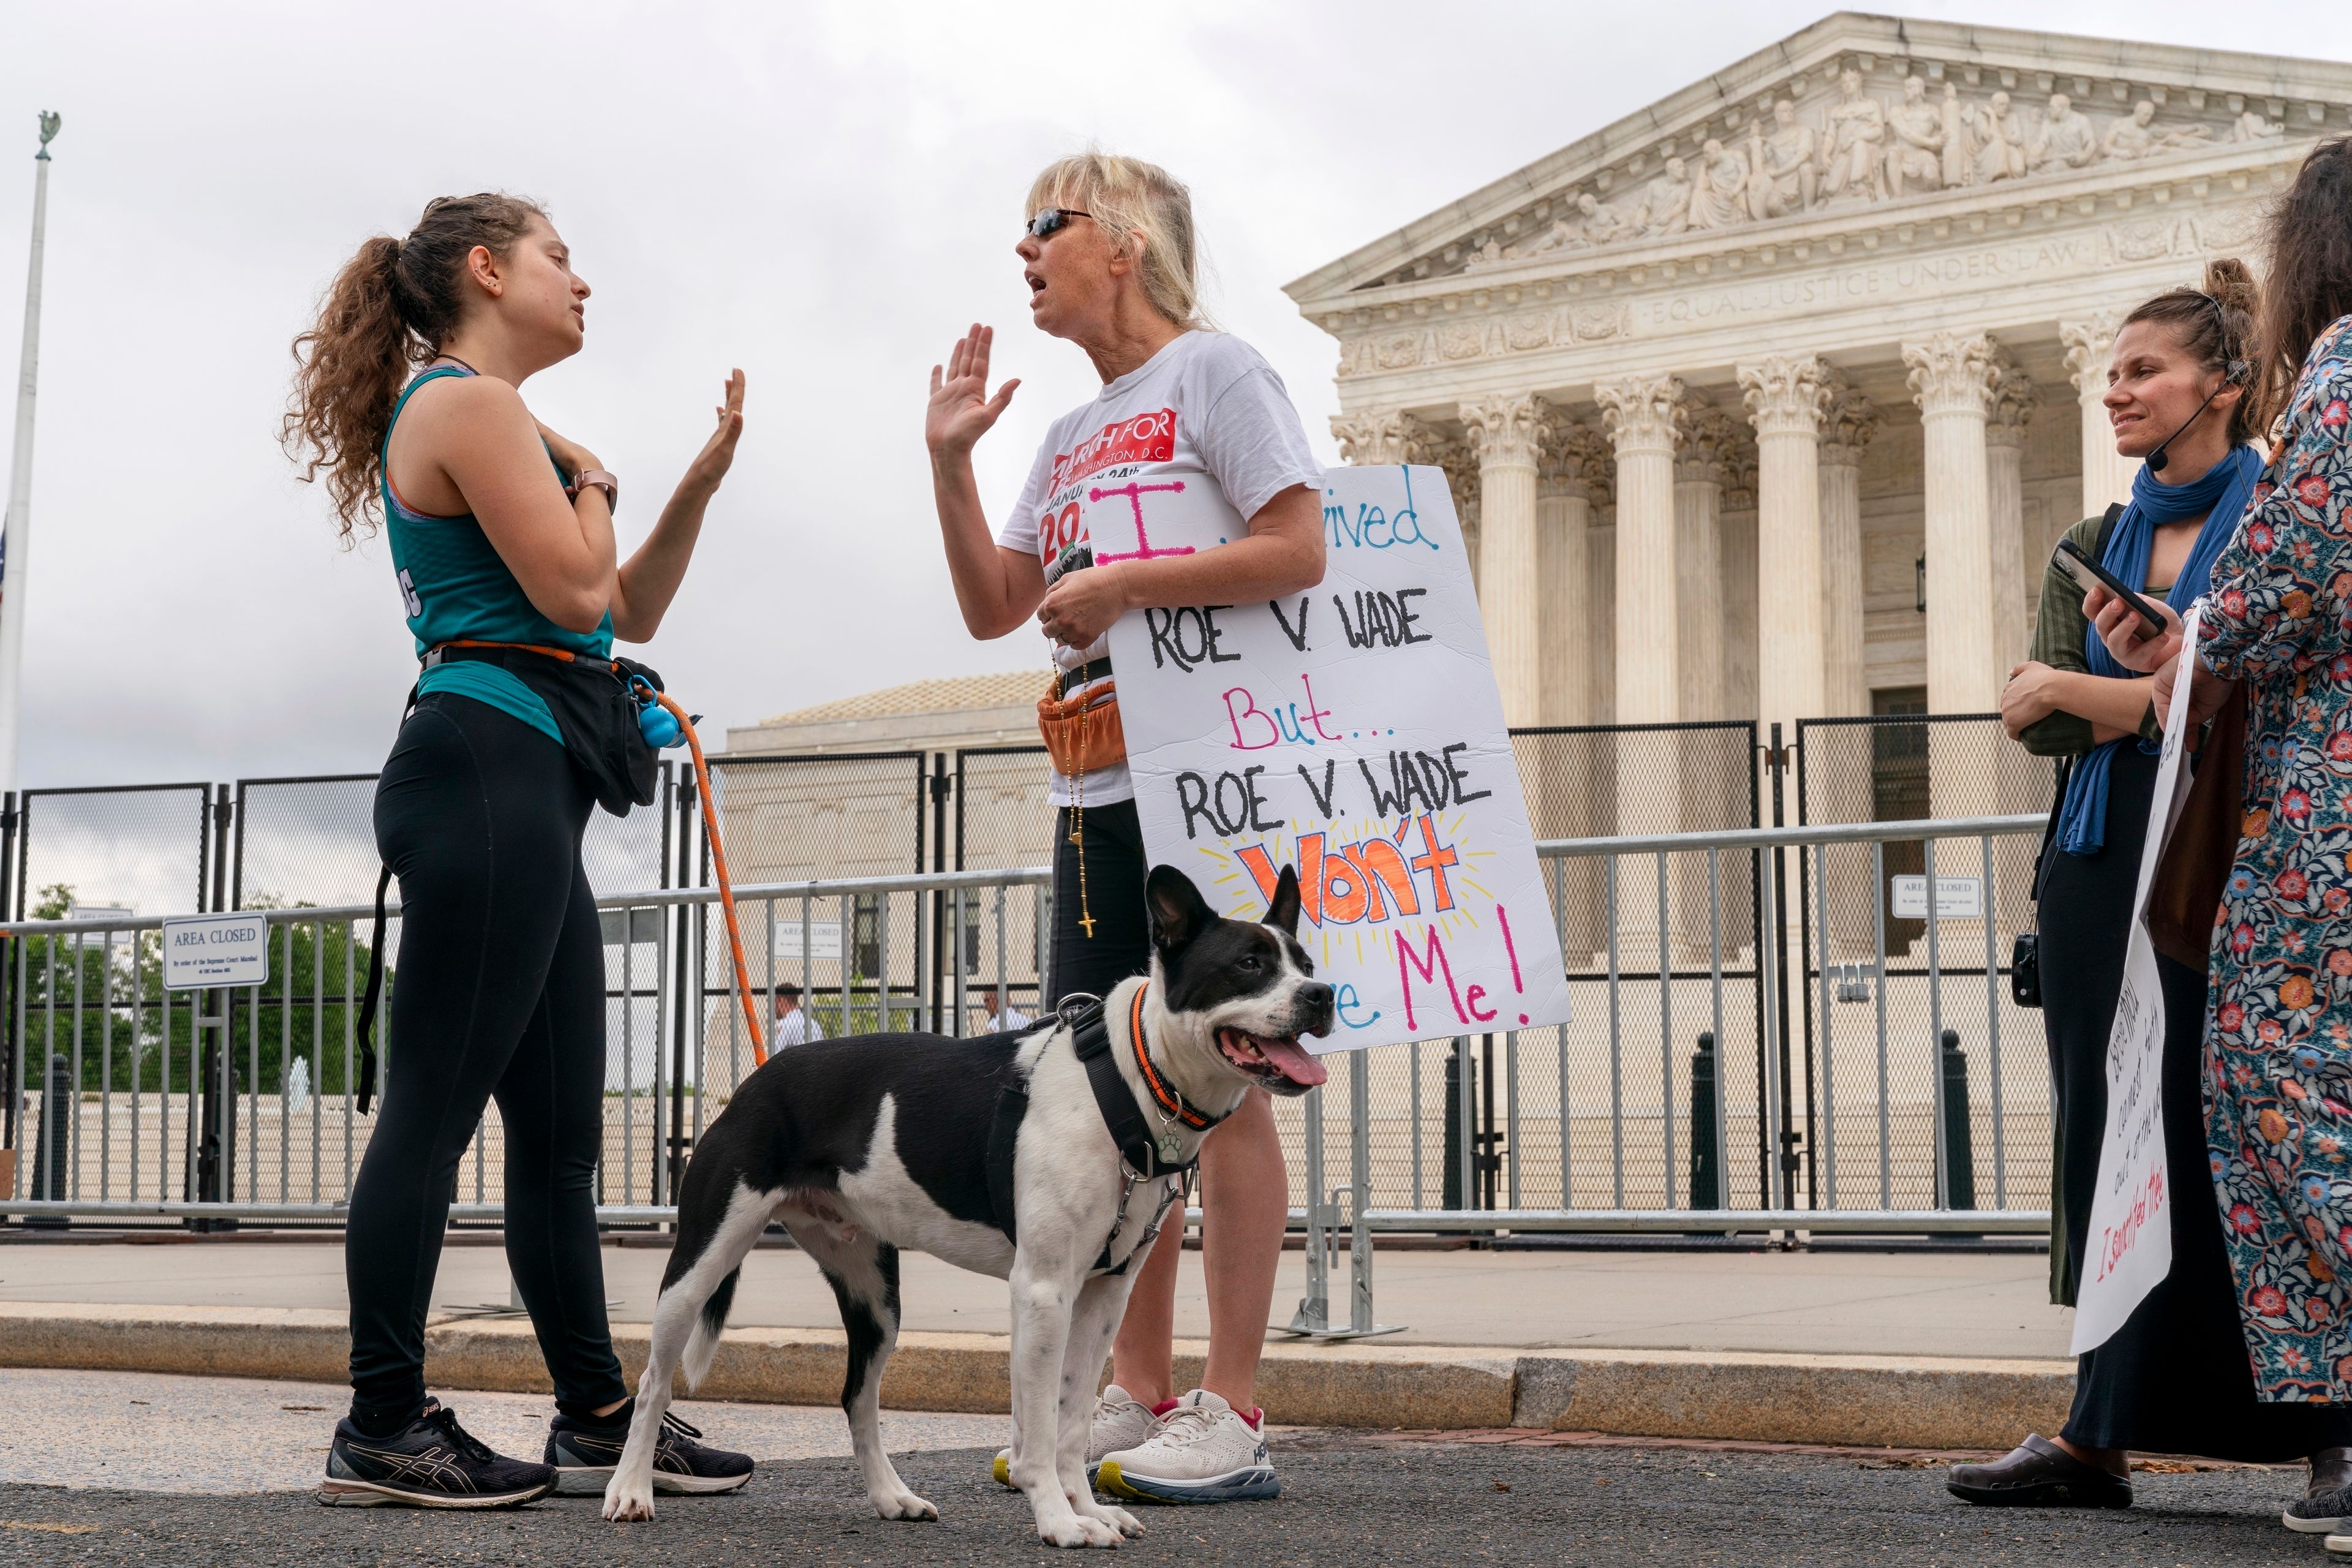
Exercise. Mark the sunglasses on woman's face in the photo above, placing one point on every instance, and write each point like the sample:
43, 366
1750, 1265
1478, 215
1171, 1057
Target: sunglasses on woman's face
1053, 221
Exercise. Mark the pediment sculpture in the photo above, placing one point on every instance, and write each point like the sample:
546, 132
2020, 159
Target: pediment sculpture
1862, 148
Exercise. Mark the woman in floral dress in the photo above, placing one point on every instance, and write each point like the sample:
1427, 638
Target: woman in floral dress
2278, 1067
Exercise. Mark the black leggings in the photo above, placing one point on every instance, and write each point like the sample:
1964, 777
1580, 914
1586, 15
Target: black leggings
500, 991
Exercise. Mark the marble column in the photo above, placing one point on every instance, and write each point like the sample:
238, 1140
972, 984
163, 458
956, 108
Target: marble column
1572, 476
1737, 522
1838, 772
1846, 432
1697, 622
1574, 797
1952, 379
1786, 397
1373, 437
1643, 416
2021, 782
2014, 401
1459, 459
1601, 627
2090, 344
1708, 789
1503, 431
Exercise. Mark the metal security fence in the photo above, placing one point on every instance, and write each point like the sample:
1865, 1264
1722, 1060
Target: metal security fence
1659, 1108
129, 845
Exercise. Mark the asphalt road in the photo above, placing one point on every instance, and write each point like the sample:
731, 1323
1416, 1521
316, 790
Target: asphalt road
1349, 1500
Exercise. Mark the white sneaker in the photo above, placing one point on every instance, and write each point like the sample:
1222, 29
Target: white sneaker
1205, 1451
1120, 1421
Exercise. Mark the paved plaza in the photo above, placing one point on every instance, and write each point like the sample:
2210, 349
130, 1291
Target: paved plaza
122, 1469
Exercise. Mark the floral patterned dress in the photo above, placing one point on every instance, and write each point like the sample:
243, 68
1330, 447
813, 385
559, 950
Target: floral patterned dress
2278, 1067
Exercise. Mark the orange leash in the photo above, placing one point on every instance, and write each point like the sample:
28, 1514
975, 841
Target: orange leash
726, 887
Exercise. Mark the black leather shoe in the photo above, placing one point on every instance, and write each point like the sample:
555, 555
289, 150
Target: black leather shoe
2325, 1505
2038, 1473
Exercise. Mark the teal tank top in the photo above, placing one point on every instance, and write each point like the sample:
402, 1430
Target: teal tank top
455, 588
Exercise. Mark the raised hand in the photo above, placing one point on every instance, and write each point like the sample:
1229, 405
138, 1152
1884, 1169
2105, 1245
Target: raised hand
961, 411
718, 454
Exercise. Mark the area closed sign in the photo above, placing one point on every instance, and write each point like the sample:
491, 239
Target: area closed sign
215, 949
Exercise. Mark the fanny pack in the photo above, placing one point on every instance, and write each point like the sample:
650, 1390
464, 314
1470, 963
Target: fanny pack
596, 708
1082, 733
613, 715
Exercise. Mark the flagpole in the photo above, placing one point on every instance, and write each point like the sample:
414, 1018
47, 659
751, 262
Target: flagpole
14, 541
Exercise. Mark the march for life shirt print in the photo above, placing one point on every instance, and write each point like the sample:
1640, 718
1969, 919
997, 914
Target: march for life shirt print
1205, 413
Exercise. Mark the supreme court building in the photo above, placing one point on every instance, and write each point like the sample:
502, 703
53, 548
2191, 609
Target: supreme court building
1770, 400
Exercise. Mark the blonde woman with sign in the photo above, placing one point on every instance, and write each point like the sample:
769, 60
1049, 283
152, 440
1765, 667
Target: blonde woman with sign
1108, 254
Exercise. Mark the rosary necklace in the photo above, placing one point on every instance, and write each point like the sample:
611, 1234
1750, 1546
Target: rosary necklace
1078, 798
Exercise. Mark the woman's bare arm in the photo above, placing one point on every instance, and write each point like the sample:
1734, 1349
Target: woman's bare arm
475, 432
996, 588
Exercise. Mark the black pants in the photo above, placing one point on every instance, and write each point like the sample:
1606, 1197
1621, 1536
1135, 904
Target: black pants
501, 992
1116, 868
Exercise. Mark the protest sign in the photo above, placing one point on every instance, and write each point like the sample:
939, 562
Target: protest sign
2129, 1247
1355, 733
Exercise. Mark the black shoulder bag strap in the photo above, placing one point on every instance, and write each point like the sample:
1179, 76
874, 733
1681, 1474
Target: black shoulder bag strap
2114, 515
374, 992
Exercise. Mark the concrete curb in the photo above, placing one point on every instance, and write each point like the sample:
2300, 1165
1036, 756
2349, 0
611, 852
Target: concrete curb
1861, 1401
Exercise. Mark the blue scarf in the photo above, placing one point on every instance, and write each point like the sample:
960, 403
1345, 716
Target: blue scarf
2221, 495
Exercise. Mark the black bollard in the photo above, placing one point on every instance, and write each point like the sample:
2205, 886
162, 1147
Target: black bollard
1461, 1079
1705, 1164
1959, 1153
53, 1151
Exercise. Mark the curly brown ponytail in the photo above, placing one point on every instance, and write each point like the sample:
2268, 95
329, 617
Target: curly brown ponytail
389, 310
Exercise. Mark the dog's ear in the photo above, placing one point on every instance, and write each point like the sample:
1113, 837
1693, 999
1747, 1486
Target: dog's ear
1283, 912
1178, 911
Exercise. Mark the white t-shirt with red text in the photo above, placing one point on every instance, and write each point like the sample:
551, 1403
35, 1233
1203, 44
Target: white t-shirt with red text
1207, 405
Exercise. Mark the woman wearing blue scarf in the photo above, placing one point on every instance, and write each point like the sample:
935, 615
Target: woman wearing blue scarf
2175, 1379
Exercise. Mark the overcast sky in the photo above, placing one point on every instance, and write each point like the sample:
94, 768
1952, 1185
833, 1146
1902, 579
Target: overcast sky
822, 193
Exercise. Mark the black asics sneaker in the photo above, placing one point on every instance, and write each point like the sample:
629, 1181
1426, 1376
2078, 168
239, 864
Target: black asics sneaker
585, 1455
436, 1463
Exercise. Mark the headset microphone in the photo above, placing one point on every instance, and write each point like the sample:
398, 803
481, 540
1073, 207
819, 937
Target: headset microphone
2156, 459
2237, 371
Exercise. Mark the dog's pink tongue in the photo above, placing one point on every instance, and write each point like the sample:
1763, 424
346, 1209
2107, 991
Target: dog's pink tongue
1295, 1063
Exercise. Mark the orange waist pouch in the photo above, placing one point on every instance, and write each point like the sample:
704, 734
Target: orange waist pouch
1082, 733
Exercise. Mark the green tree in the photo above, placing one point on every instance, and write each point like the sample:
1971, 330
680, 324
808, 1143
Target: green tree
108, 998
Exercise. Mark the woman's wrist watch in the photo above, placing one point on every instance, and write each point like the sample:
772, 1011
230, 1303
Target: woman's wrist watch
600, 479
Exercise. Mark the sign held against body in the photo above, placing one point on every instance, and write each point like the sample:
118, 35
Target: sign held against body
2129, 1247
1354, 731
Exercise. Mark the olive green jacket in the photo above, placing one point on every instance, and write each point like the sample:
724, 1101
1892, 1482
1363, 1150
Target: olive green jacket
2058, 631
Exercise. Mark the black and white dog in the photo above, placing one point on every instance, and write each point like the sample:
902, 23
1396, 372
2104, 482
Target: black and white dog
1045, 1158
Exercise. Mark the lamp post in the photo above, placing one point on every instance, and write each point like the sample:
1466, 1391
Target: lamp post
13, 543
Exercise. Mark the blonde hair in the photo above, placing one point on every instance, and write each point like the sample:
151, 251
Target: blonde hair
1134, 201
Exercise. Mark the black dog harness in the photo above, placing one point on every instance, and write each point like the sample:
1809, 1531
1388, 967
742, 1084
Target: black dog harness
1143, 1157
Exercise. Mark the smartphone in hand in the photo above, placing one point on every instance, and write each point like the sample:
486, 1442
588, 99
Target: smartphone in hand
2071, 559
